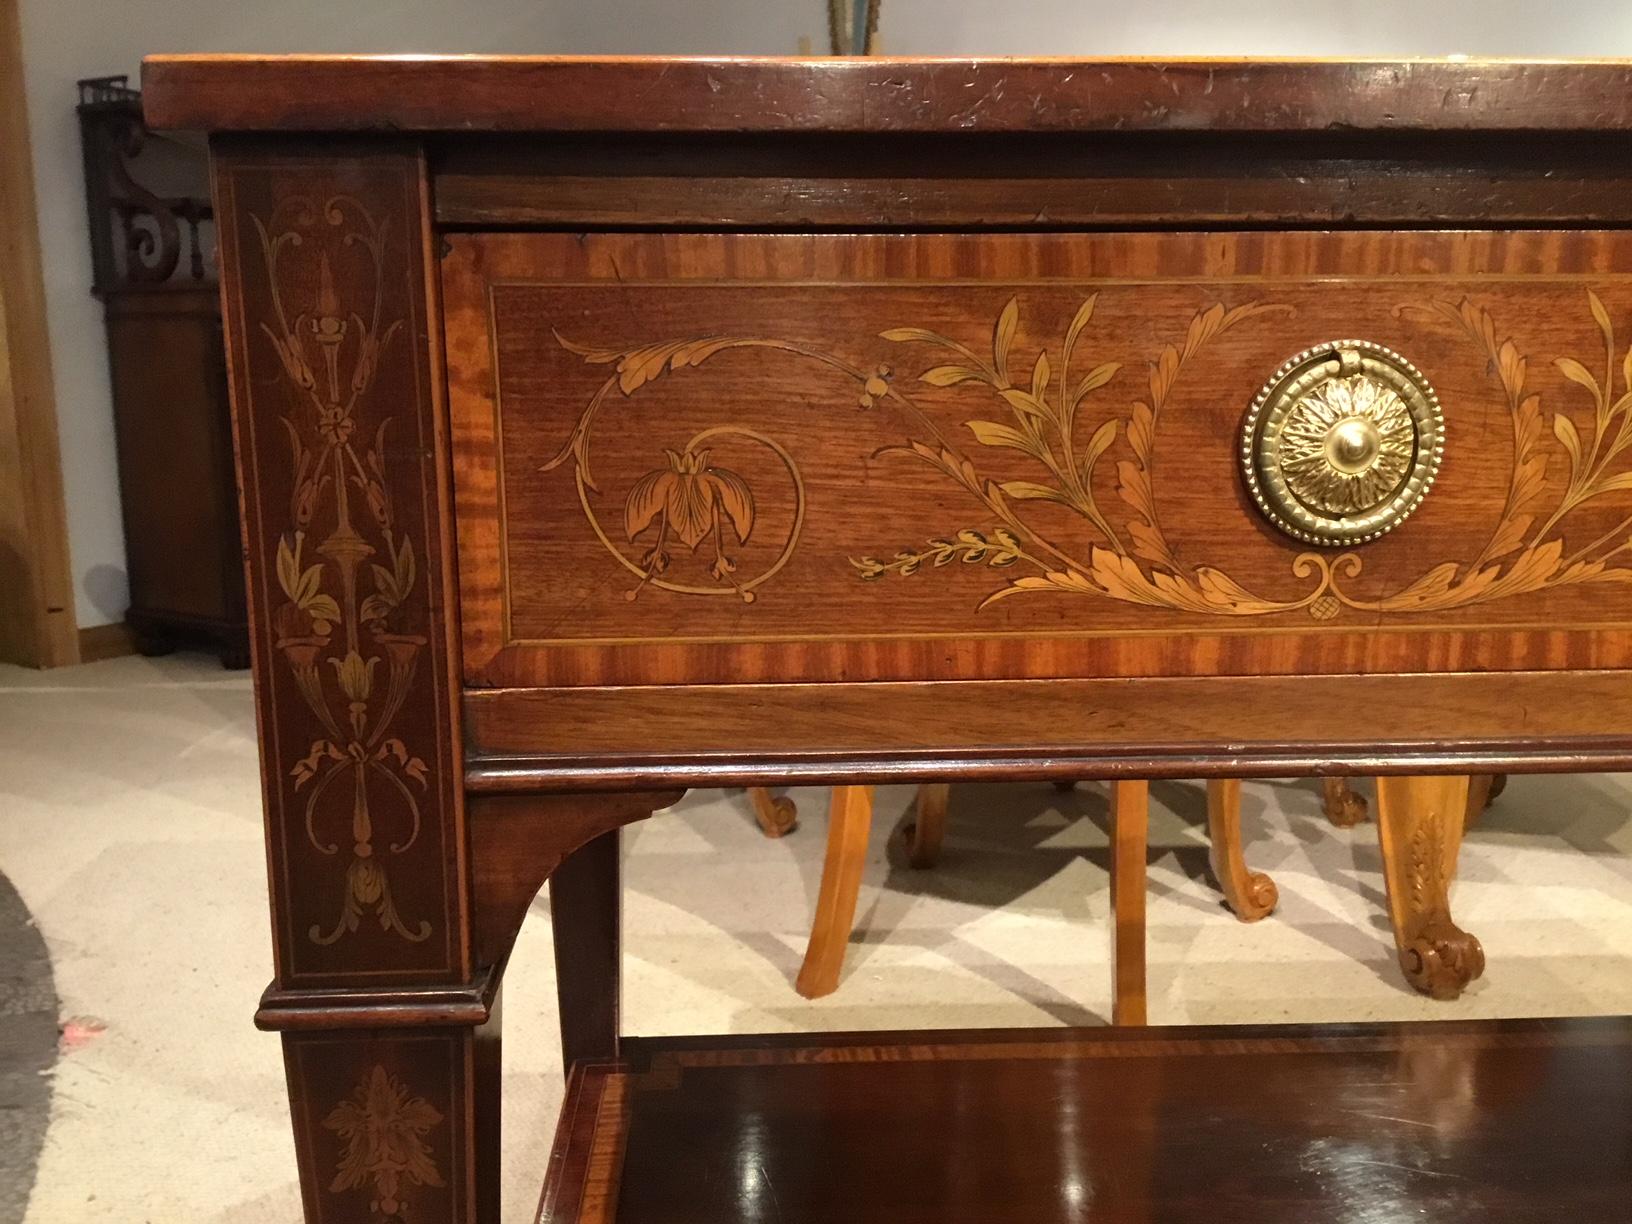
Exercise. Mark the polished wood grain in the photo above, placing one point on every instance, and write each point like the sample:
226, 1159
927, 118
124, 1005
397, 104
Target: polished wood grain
517, 842
586, 917
850, 812
435, 614
1483, 790
587, 1156
849, 828
1130, 842
1421, 821
776, 815
363, 1005
386, 1122
1500, 1121
487, 1078
1078, 181
877, 94
330, 326
808, 368
928, 828
1343, 805
329, 811
1251, 895
1256, 726
37, 624
1419, 825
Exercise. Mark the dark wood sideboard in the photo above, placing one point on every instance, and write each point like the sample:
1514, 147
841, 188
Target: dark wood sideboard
150, 260
610, 427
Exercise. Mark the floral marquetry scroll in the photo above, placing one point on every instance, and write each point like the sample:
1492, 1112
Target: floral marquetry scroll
688, 499
1338, 455
326, 622
766, 455
383, 1124
383, 1127
335, 404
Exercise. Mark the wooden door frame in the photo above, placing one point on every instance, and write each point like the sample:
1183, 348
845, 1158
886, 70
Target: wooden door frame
37, 622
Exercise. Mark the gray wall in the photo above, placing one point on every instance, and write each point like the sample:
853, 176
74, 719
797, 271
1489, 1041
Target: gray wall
68, 39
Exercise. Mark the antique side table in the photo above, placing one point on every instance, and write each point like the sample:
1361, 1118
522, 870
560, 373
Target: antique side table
608, 427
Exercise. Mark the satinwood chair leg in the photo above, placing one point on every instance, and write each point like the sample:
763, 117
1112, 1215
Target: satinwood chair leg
1130, 837
1250, 894
928, 826
1344, 806
1419, 824
850, 818
776, 814
1482, 792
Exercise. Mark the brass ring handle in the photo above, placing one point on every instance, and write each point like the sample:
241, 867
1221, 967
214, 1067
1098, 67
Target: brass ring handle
1342, 443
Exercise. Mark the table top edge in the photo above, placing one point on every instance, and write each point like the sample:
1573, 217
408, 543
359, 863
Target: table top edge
880, 95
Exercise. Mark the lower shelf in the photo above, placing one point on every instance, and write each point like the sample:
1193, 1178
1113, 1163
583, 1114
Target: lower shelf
1501, 1120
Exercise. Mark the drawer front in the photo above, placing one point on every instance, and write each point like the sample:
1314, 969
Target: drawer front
732, 458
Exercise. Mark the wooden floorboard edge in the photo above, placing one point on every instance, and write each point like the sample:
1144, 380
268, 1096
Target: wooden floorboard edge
98, 642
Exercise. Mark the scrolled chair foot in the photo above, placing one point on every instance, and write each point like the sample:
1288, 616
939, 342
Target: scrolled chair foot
1251, 895
1442, 960
1259, 899
1344, 806
1419, 828
777, 814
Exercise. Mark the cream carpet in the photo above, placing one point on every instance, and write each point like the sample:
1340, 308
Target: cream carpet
129, 825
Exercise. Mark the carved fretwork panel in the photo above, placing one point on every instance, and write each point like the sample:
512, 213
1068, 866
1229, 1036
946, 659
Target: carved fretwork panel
139, 237
337, 420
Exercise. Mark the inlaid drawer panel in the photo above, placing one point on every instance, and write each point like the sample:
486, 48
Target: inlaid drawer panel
750, 457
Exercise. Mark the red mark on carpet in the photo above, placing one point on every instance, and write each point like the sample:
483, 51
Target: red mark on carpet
79, 1031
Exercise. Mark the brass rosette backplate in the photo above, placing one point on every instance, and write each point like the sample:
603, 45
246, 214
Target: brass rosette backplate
1343, 443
